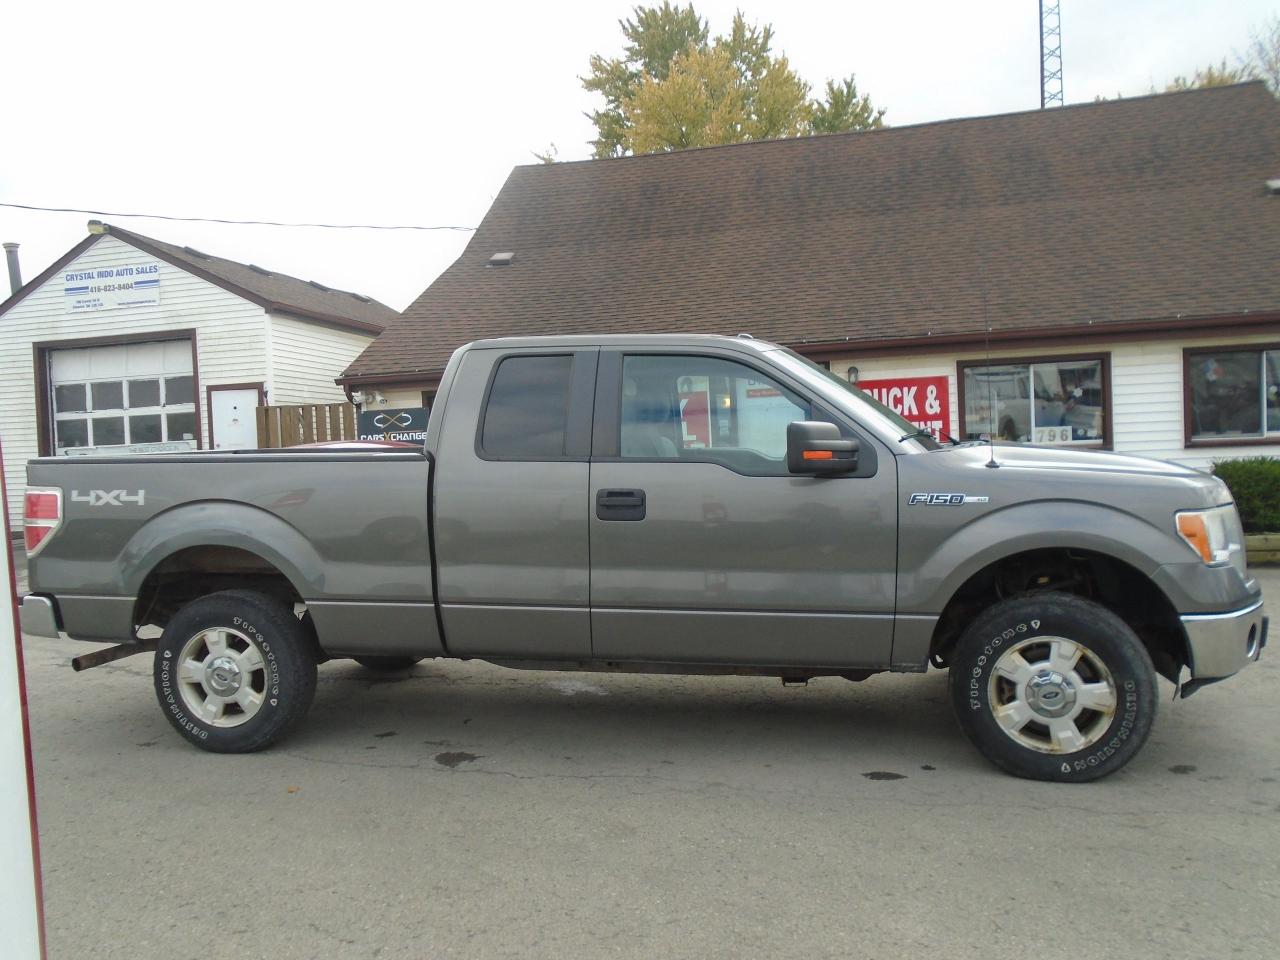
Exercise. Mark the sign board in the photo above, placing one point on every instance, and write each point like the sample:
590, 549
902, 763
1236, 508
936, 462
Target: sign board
20, 910
925, 401
109, 288
407, 424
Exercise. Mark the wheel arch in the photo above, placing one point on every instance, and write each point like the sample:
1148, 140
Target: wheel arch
215, 545
1112, 581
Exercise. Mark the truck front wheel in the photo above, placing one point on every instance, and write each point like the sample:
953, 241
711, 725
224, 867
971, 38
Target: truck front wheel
1053, 687
234, 670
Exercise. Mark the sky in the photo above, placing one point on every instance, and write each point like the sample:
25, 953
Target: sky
415, 113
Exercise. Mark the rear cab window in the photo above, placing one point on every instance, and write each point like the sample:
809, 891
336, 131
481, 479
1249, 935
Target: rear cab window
526, 415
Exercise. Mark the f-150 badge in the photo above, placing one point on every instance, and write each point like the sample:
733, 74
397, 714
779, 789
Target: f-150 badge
944, 499
108, 498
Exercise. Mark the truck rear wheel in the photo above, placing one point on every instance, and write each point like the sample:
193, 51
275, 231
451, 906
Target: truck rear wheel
1053, 687
234, 670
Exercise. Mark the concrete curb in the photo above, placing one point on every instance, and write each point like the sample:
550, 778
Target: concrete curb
1262, 548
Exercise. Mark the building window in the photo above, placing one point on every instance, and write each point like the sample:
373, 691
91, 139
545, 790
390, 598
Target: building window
1232, 393
110, 413
1058, 402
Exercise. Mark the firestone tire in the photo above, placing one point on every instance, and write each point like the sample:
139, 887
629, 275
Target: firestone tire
234, 670
1053, 687
387, 664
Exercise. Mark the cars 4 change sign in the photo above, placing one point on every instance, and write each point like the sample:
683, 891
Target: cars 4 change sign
407, 424
925, 401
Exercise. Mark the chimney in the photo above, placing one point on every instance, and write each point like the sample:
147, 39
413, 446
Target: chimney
15, 271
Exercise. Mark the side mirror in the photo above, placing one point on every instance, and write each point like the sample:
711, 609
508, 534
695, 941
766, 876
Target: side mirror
817, 449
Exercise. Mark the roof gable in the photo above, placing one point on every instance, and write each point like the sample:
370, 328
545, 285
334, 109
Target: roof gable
272, 291
1115, 212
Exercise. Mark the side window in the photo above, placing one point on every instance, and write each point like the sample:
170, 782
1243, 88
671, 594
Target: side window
528, 409
706, 409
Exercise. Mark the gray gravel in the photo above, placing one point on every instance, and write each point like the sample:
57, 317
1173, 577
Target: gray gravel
463, 810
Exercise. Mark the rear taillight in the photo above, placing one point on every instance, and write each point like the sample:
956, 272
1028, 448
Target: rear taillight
42, 513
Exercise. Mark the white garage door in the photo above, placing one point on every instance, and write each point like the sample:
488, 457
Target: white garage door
131, 398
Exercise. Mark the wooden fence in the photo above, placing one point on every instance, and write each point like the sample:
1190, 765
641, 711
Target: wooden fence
309, 423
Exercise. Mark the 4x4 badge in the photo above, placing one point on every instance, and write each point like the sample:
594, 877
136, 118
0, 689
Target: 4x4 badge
108, 498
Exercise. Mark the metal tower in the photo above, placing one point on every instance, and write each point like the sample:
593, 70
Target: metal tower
1050, 55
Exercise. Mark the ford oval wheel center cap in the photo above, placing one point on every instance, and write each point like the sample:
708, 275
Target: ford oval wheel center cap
1050, 694
222, 676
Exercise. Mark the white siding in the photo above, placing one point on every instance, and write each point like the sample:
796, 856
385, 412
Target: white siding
396, 397
1146, 389
230, 334
307, 357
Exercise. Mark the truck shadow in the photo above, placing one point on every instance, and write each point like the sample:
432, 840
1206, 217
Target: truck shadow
597, 720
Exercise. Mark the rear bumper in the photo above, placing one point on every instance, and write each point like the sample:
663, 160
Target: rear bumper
1220, 644
39, 616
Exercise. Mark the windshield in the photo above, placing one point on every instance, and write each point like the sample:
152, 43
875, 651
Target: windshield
905, 426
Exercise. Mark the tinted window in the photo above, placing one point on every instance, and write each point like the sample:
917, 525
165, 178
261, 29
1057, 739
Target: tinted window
144, 393
108, 431
179, 390
145, 429
528, 408
1234, 394
108, 396
705, 408
70, 398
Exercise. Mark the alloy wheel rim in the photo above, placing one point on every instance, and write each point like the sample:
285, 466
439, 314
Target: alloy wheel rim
1052, 695
222, 677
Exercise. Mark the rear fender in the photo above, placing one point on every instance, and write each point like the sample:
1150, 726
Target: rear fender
221, 523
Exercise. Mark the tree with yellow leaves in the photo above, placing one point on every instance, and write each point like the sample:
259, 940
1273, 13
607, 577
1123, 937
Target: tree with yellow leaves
677, 88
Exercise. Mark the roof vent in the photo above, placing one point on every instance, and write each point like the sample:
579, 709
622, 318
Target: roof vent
1273, 186
257, 269
319, 286
196, 253
502, 259
361, 297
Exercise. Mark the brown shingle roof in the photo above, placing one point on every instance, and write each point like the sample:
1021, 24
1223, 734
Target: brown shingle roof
274, 291
1140, 209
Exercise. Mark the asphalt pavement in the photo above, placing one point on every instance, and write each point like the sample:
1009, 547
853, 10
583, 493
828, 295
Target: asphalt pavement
462, 810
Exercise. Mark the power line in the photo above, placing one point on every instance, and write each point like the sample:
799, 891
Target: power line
240, 223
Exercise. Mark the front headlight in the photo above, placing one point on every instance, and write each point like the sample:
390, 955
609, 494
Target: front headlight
1214, 534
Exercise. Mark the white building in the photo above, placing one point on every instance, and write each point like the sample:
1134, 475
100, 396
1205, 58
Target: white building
130, 345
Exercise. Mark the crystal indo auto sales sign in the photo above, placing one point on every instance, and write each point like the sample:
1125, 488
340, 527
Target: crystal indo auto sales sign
925, 401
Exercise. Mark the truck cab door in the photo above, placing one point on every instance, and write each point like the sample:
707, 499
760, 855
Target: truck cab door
510, 504
704, 548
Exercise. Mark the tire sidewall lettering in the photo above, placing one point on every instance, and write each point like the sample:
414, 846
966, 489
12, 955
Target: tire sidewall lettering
166, 670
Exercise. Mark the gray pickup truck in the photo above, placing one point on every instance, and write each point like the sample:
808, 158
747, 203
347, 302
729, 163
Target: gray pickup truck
665, 505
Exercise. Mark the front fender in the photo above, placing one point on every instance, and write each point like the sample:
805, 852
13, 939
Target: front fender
948, 562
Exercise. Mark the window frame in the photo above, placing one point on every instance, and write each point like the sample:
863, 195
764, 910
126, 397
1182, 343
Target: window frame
577, 432
1191, 442
1104, 358
606, 439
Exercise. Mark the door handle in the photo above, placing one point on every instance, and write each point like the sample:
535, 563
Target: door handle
620, 504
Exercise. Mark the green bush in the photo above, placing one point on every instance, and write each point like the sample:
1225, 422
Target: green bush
1255, 486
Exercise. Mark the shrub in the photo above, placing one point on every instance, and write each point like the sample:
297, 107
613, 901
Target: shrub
1255, 486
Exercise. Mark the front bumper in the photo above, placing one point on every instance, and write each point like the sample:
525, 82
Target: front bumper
39, 616
1220, 644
